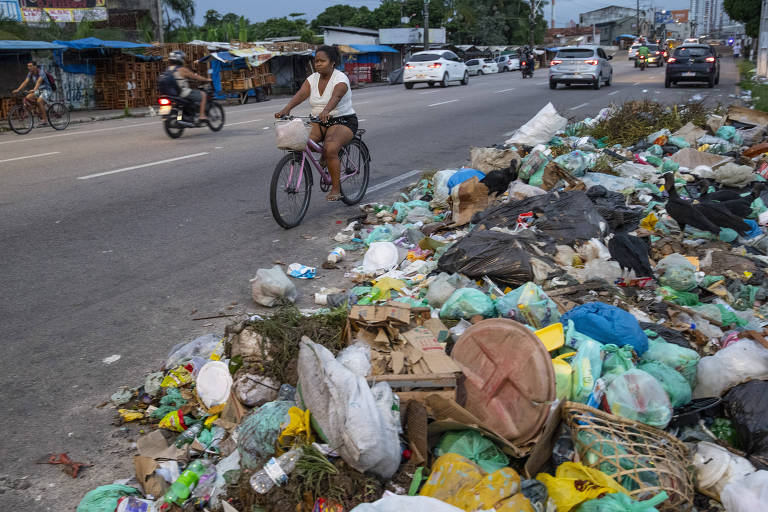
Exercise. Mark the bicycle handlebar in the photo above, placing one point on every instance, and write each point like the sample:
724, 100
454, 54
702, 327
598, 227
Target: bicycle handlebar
311, 119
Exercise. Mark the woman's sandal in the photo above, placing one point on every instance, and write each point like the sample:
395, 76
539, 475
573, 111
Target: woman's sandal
333, 197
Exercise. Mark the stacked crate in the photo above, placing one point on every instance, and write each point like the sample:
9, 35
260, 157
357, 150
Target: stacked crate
124, 82
6, 104
246, 79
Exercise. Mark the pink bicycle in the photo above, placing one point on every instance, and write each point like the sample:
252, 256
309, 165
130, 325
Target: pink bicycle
291, 188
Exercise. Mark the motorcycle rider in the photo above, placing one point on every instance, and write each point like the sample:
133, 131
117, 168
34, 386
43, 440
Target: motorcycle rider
528, 58
183, 74
643, 52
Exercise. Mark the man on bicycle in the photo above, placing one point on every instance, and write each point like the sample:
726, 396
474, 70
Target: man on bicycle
41, 93
183, 74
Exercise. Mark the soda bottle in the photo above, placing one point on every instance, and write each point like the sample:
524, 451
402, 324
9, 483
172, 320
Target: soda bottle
182, 487
189, 435
275, 472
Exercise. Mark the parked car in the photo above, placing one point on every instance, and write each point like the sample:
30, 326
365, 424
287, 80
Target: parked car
434, 67
656, 55
490, 67
474, 66
693, 63
507, 63
580, 65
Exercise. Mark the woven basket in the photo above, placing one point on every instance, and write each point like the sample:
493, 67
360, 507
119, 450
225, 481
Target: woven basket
644, 459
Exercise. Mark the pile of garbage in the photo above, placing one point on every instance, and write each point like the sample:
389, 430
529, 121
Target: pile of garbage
571, 323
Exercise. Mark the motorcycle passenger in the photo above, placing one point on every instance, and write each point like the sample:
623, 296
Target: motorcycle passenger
183, 74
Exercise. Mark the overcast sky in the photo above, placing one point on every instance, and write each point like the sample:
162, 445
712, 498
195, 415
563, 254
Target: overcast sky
260, 10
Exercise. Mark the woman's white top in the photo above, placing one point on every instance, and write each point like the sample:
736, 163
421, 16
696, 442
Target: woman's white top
319, 101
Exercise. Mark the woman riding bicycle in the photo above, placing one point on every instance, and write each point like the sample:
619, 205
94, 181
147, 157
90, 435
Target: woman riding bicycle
330, 98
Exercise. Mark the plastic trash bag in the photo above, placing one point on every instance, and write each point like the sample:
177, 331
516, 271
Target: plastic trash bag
540, 129
677, 272
730, 366
519, 190
475, 447
747, 405
677, 388
292, 135
466, 303
563, 376
385, 233
346, 413
403, 210
637, 171
587, 367
682, 359
529, 305
462, 175
636, 395
442, 287
574, 483
748, 494
532, 165
617, 361
608, 324
734, 175
678, 141
258, 432
203, 346
104, 498
716, 466
396, 503
618, 502
272, 285
356, 358
381, 256
576, 162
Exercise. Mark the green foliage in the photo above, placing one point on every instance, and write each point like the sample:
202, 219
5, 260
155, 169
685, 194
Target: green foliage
745, 11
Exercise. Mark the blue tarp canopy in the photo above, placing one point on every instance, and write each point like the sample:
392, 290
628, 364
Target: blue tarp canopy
373, 48
93, 42
29, 45
626, 36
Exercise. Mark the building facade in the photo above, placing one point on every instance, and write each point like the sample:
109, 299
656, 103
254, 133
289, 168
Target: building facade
606, 14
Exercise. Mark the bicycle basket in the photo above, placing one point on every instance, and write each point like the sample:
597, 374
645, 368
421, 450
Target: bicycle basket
292, 135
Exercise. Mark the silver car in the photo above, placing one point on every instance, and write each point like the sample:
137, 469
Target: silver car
587, 65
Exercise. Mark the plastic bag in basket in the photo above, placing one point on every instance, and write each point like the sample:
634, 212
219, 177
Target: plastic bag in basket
292, 135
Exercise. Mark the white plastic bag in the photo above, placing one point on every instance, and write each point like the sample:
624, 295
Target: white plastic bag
540, 129
744, 360
292, 135
519, 190
255, 390
442, 193
272, 284
357, 358
637, 171
381, 256
202, 346
716, 467
748, 494
346, 412
396, 503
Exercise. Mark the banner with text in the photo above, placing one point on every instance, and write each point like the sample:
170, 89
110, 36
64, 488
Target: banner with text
9, 10
63, 11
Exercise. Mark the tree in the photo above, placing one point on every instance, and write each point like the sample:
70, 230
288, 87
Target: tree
212, 17
747, 12
183, 8
335, 15
278, 27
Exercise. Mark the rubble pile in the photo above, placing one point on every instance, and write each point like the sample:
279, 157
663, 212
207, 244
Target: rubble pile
574, 322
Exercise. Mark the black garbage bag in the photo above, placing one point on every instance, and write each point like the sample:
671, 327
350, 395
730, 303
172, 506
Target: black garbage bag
747, 405
669, 335
565, 217
612, 206
505, 258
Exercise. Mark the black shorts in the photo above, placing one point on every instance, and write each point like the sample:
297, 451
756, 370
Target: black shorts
348, 121
195, 95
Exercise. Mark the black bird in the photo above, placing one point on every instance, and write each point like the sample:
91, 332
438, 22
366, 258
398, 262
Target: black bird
719, 195
631, 252
498, 181
684, 212
741, 206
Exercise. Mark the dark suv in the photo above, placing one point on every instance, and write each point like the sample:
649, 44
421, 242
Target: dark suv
693, 63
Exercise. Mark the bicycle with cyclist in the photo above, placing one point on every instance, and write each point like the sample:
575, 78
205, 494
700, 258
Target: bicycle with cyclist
42, 91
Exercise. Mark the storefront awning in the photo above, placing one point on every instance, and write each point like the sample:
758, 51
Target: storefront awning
373, 48
93, 42
10, 44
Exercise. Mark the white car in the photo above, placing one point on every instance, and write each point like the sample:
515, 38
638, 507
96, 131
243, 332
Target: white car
434, 67
507, 63
474, 66
632, 53
490, 66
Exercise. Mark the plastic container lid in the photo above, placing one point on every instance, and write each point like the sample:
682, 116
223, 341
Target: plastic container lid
213, 383
711, 462
552, 336
510, 380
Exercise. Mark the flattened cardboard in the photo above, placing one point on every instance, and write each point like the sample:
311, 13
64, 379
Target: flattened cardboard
433, 353
748, 116
381, 314
234, 411
398, 362
438, 329
691, 133
151, 483
416, 429
542, 451
468, 198
691, 158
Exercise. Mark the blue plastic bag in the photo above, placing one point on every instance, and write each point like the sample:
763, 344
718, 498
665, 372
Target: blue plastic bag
464, 175
608, 324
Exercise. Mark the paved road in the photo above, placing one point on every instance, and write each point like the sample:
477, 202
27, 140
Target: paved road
113, 237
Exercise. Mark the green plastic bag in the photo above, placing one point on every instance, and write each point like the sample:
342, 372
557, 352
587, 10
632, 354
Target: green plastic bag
758, 207
618, 502
104, 498
474, 446
617, 361
258, 432
563, 375
677, 388
654, 160
587, 367
669, 165
676, 297
530, 305
682, 359
466, 303
680, 142
655, 150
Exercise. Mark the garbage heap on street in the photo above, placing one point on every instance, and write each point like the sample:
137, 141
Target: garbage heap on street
574, 322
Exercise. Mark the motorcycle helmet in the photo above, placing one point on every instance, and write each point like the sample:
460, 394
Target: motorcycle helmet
177, 56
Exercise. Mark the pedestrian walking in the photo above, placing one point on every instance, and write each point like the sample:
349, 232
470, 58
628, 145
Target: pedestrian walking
736, 49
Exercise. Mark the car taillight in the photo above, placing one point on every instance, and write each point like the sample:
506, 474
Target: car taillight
657, 53
164, 101
710, 59
554, 62
671, 60
409, 66
435, 65
591, 62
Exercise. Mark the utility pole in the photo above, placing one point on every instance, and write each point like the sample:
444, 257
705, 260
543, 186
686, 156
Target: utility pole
552, 16
638, 18
532, 19
159, 22
426, 25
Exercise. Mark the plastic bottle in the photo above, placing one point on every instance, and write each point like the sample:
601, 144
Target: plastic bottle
336, 255
275, 472
189, 435
182, 487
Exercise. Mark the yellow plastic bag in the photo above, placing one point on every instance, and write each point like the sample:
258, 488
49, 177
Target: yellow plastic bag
298, 428
517, 503
461, 483
649, 222
174, 420
177, 378
130, 415
574, 483
563, 372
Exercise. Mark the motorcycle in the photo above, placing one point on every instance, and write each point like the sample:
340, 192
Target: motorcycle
526, 67
641, 62
180, 113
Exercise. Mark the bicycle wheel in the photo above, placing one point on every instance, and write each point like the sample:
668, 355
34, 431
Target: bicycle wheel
291, 190
21, 120
355, 169
58, 116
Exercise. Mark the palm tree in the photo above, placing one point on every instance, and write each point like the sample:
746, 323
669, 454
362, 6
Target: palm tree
184, 8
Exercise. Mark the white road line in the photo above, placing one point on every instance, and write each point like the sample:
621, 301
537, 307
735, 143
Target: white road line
504, 90
442, 103
614, 92
636, 83
362, 120
429, 92
361, 102
30, 156
577, 107
134, 167
82, 132
541, 83
244, 122
394, 180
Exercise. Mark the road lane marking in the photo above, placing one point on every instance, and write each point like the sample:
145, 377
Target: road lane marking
361, 102
30, 156
636, 83
504, 90
82, 132
141, 166
394, 180
442, 103
429, 92
577, 107
614, 92
244, 122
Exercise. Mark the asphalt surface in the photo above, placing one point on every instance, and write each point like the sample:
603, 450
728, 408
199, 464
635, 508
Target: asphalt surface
113, 238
